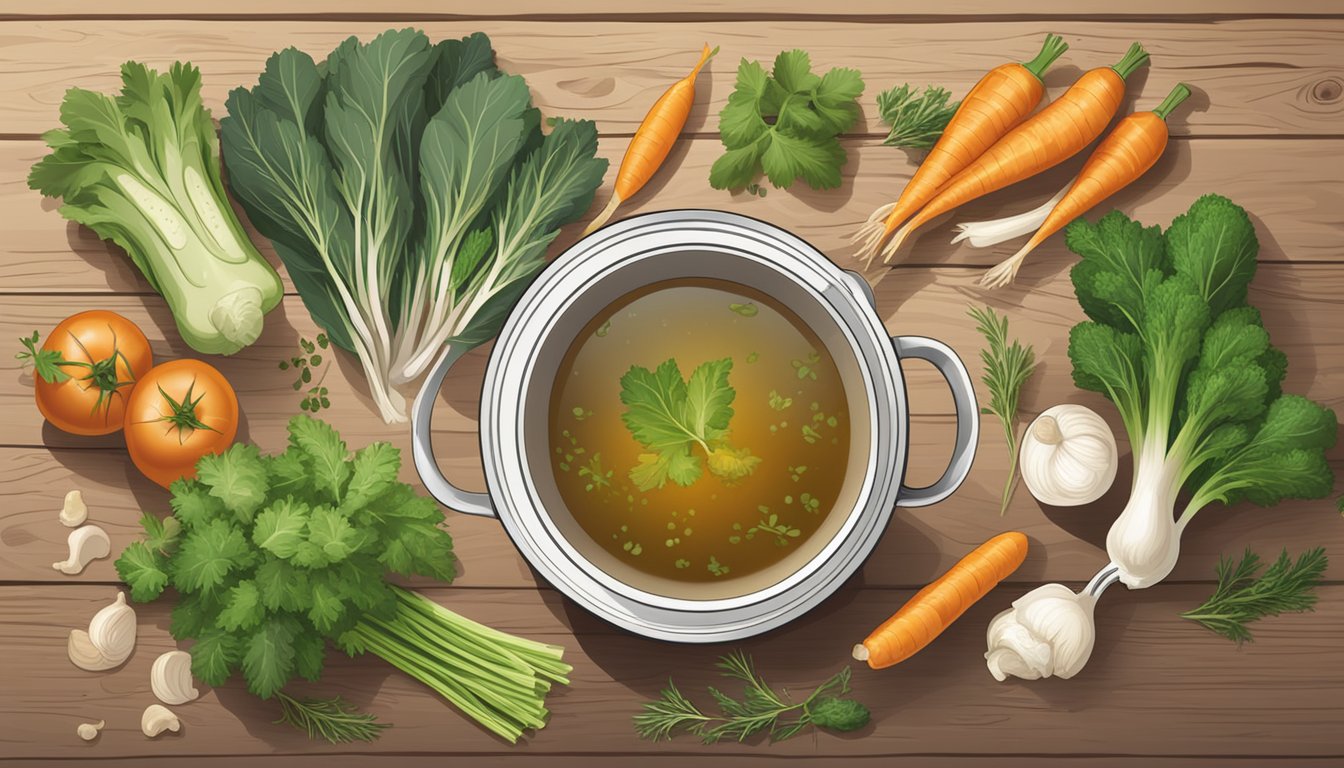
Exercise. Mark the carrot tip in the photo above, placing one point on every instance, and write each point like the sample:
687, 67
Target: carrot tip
602, 217
861, 652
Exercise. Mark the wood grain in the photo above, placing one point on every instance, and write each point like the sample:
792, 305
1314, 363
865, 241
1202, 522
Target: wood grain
688, 10
1256, 77
1291, 189
1187, 691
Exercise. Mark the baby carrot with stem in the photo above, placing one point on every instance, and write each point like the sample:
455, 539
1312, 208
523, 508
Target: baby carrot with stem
1122, 157
1001, 100
1045, 140
935, 607
653, 140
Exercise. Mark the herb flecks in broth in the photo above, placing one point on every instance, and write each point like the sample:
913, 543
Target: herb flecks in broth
672, 417
743, 448
746, 310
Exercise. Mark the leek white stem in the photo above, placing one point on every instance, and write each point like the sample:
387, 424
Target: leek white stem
983, 234
1145, 540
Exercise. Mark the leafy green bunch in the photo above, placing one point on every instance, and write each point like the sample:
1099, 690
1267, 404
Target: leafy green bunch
1189, 365
785, 123
274, 555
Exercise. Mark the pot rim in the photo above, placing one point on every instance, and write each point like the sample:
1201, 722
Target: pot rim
848, 302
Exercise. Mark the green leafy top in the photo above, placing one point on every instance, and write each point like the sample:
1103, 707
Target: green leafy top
671, 416
1189, 366
785, 123
274, 555
1242, 597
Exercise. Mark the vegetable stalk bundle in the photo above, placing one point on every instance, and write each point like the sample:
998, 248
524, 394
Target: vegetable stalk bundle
409, 191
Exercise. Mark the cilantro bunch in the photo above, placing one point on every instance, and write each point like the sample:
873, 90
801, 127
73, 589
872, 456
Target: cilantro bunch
785, 123
273, 556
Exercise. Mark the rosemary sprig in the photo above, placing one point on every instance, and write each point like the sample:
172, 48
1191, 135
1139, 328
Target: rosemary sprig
1241, 597
333, 720
1007, 368
917, 120
759, 710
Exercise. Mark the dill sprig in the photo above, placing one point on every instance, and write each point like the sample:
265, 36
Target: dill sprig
1007, 368
1241, 597
761, 709
333, 720
917, 119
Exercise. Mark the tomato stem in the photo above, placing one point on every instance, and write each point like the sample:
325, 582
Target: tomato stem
183, 416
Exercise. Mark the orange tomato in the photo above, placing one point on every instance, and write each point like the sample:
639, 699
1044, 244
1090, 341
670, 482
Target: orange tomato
179, 412
86, 370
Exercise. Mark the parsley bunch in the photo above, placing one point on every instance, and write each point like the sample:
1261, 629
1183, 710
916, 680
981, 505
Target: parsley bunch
273, 556
785, 122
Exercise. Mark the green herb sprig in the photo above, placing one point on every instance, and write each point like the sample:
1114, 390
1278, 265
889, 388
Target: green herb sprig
303, 363
917, 119
333, 720
760, 710
1007, 368
1241, 597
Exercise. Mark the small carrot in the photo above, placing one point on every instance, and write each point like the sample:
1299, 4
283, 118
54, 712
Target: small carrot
1045, 140
1002, 98
1123, 156
653, 140
935, 607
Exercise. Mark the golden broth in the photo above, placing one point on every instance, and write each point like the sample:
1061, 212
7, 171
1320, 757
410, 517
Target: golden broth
776, 470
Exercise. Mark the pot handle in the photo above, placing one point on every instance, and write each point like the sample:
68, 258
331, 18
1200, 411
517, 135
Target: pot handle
447, 494
968, 418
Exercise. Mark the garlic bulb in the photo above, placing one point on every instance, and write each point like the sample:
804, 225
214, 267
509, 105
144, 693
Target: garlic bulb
170, 678
1068, 456
1048, 632
73, 511
87, 543
157, 719
109, 641
89, 731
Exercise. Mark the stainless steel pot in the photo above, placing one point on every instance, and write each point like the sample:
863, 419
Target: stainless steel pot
671, 245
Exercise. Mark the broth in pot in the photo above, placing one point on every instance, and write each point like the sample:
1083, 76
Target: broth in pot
698, 431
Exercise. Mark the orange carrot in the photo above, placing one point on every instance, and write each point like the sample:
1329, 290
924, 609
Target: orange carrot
1123, 156
935, 607
1048, 138
653, 140
1002, 98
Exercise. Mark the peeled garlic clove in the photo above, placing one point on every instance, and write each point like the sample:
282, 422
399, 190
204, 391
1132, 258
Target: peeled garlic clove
74, 512
85, 655
87, 543
89, 731
157, 719
112, 630
170, 678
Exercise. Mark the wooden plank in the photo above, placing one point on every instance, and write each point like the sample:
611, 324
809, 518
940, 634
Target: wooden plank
1257, 76
670, 759
1156, 684
689, 10
1291, 188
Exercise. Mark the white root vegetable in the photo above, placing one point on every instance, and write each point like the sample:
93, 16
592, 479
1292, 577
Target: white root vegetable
983, 234
1068, 456
170, 678
87, 543
109, 641
157, 719
89, 731
1049, 632
74, 512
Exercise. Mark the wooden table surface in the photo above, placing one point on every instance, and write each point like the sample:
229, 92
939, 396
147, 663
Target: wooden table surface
1266, 128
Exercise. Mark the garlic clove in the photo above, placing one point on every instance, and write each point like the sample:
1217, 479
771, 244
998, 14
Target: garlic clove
1049, 632
170, 678
1068, 456
87, 543
157, 719
85, 655
74, 512
89, 731
112, 630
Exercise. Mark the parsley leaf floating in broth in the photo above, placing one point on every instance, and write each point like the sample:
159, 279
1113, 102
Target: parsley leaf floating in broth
672, 417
